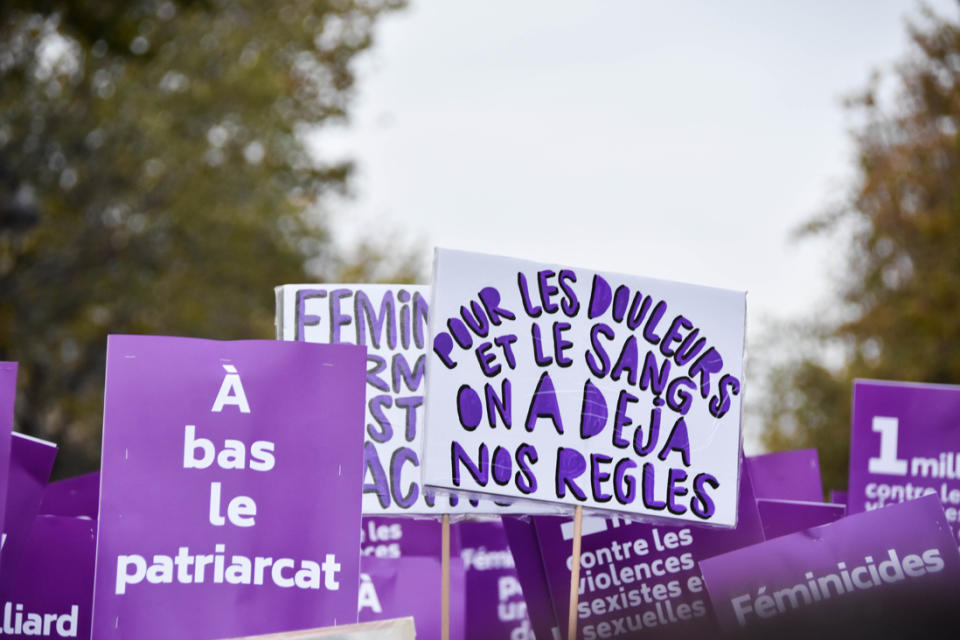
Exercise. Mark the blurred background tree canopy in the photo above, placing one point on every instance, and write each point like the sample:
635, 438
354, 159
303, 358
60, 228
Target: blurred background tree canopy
154, 179
897, 313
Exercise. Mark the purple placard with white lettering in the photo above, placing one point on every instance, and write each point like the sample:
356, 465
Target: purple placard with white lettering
31, 461
230, 500
77, 496
880, 569
641, 580
53, 586
904, 443
787, 475
411, 586
8, 394
495, 603
780, 517
400, 537
522, 537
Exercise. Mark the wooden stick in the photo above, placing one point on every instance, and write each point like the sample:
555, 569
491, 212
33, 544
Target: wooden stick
445, 577
575, 574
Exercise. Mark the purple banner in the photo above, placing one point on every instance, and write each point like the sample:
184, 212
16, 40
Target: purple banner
904, 443
495, 605
411, 586
640, 580
53, 589
230, 500
8, 394
31, 461
787, 475
77, 496
401, 537
886, 570
392, 550
522, 536
780, 517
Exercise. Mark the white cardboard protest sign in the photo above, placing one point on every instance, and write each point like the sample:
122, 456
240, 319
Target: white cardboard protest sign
391, 321
579, 387
396, 629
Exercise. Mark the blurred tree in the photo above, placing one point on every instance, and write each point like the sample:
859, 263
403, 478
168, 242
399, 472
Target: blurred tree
899, 304
153, 179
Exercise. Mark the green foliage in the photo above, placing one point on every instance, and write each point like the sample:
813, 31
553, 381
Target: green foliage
900, 298
153, 180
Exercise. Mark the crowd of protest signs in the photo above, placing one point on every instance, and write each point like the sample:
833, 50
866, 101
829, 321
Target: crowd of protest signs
282, 487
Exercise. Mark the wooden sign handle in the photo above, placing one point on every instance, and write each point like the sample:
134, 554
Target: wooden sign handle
575, 574
445, 577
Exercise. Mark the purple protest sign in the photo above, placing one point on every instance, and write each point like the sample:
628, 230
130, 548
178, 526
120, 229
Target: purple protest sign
230, 481
8, 394
411, 586
53, 585
396, 537
522, 537
787, 475
882, 570
640, 580
780, 517
77, 496
31, 461
495, 602
904, 443
403, 544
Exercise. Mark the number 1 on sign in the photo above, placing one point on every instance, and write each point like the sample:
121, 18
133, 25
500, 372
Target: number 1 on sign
887, 462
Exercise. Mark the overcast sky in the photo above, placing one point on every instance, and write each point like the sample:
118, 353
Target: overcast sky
674, 140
